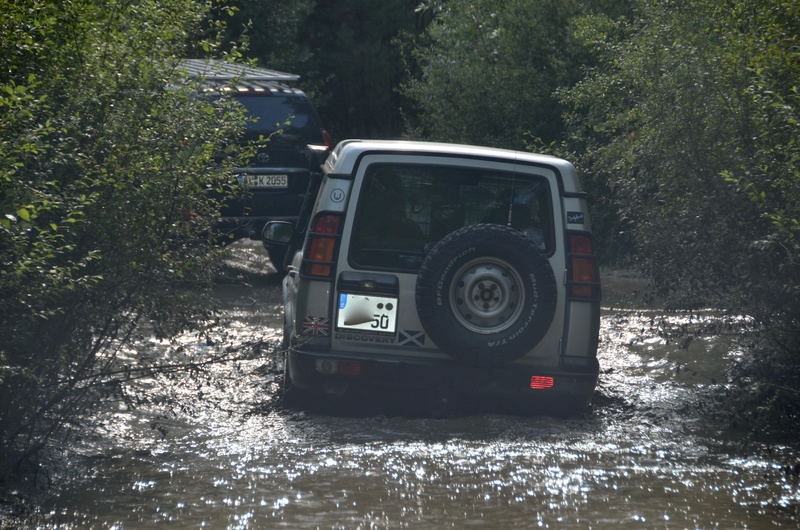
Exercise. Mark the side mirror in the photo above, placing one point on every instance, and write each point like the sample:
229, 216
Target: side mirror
316, 156
278, 232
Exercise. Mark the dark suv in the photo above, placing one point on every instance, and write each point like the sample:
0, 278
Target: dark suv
276, 179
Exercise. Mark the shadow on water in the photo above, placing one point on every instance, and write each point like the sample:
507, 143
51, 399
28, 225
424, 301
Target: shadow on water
216, 449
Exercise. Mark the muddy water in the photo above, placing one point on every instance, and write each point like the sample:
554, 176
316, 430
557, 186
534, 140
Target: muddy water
210, 449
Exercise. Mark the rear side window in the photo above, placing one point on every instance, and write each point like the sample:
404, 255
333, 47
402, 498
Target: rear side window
404, 210
270, 112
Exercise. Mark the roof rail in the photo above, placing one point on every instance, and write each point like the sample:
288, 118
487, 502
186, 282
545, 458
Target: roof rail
217, 70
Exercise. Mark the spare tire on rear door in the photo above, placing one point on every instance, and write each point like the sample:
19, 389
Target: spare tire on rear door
485, 294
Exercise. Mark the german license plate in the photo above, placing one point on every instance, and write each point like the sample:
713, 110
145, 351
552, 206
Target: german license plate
367, 313
266, 181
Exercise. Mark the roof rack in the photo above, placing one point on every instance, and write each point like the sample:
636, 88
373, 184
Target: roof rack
217, 70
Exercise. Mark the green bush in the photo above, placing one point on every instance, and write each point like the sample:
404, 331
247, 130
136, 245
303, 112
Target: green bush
486, 71
691, 118
109, 164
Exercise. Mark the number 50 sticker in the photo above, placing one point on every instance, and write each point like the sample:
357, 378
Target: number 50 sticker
367, 313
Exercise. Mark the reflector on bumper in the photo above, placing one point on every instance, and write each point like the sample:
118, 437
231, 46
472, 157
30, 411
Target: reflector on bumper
337, 367
542, 382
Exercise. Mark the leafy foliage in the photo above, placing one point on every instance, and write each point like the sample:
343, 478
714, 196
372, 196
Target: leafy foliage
488, 71
346, 52
695, 126
107, 161
271, 31
356, 64
691, 118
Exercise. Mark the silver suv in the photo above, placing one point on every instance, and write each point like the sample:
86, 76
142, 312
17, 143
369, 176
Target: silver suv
446, 271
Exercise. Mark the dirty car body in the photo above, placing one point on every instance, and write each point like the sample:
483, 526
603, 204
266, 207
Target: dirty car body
447, 271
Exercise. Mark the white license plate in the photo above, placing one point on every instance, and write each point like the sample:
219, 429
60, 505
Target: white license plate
367, 313
266, 181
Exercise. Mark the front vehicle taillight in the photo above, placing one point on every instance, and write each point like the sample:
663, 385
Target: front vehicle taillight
327, 138
318, 260
583, 280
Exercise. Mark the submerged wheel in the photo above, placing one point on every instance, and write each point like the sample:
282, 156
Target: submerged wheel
291, 396
485, 294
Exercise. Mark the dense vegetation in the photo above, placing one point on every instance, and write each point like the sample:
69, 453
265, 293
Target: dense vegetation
105, 167
690, 119
681, 115
349, 54
486, 77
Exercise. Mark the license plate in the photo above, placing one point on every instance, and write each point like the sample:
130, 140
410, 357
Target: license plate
367, 313
266, 181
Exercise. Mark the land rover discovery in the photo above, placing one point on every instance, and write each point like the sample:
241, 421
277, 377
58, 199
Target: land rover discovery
450, 271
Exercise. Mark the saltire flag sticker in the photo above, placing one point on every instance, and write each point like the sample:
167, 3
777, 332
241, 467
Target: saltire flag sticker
412, 338
316, 326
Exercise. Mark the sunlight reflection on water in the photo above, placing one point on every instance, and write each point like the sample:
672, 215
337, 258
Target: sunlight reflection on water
211, 452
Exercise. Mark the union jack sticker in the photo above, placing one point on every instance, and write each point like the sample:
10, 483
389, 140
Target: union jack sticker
316, 326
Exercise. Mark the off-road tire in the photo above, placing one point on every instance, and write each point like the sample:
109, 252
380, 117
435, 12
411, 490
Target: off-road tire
485, 294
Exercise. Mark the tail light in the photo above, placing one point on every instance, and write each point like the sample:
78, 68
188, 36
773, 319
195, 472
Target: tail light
583, 281
318, 261
327, 138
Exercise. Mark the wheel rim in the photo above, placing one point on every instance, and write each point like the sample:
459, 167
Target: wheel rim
487, 295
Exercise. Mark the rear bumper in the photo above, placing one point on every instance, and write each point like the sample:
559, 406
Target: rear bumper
509, 384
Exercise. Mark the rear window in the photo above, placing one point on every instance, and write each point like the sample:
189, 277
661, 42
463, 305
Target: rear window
270, 112
404, 210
